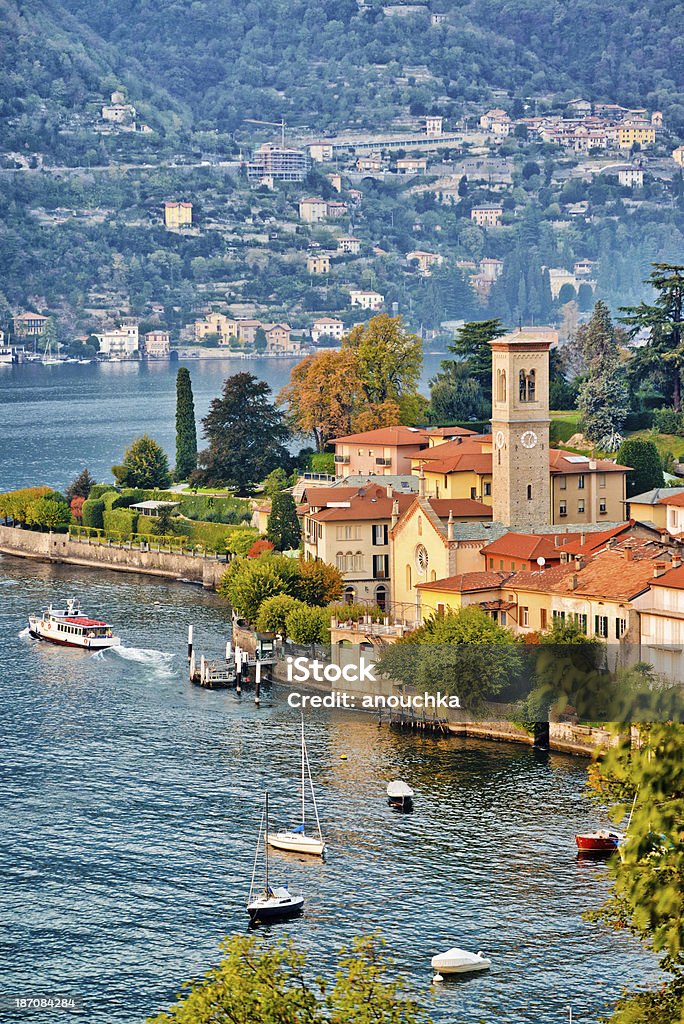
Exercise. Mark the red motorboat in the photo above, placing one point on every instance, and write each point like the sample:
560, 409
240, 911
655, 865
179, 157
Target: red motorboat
602, 841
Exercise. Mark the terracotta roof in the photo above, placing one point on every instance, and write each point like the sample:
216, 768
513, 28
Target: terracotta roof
387, 436
368, 503
318, 497
463, 462
460, 507
543, 580
451, 432
563, 462
610, 575
30, 316
466, 582
530, 546
593, 541
674, 579
671, 499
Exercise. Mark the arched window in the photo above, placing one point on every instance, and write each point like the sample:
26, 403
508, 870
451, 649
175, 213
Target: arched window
381, 597
341, 561
501, 385
527, 386
529, 492
349, 595
522, 386
408, 577
358, 561
420, 526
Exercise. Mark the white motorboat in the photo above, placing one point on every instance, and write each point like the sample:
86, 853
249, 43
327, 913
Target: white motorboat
459, 961
296, 839
70, 628
272, 904
400, 795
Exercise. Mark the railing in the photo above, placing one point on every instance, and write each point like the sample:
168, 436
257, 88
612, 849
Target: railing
144, 542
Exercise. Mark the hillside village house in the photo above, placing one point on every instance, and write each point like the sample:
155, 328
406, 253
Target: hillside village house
177, 215
327, 327
630, 177
312, 210
318, 264
335, 209
120, 342
349, 245
649, 507
412, 165
630, 132
321, 152
29, 325
215, 323
335, 180
366, 300
425, 261
434, 126
678, 156
349, 527
674, 519
156, 344
279, 339
387, 451
486, 216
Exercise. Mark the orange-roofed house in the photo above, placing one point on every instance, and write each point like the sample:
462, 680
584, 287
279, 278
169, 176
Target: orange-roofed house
674, 520
350, 527
522, 551
387, 451
455, 592
585, 490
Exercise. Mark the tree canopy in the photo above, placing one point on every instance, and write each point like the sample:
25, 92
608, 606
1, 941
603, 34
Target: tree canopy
186, 428
144, 465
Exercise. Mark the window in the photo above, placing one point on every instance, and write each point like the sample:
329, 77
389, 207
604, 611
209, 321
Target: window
420, 526
527, 386
558, 616
524, 616
357, 561
563, 483
381, 597
349, 595
440, 609
603, 507
529, 492
542, 618
488, 490
491, 563
502, 618
580, 506
501, 385
580, 482
563, 508
473, 493
380, 567
620, 628
602, 479
513, 566
408, 577
341, 561
601, 626
380, 533
501, 563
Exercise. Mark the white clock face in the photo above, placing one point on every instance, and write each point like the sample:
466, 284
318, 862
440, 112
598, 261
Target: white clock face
528, 439
499, 440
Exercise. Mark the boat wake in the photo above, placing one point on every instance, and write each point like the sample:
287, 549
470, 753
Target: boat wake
159, 661
24, 633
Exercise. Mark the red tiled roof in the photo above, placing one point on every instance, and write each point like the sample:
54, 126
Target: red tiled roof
674, 579
559, 462
529, 546
610, 575
594, 541
460, 507
387, 436
369, 502
466, 582
674, 499
320, 496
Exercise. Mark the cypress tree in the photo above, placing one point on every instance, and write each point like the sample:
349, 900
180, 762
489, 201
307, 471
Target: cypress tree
283, 525
186, 428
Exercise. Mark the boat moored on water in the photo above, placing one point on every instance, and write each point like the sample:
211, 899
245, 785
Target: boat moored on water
296, 839
400, 795
459, 961
271, 904
600, 842
70, 628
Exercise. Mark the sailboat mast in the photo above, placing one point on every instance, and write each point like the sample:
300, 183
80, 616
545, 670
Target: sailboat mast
266, 841
303, 777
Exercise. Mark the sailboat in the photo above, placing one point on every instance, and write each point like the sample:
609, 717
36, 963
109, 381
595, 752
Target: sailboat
271, 904
48, 359
296, 839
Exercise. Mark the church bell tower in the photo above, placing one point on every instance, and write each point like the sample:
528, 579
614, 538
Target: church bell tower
521, 488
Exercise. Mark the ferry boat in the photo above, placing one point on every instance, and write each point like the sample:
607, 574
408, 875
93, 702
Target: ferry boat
68, 626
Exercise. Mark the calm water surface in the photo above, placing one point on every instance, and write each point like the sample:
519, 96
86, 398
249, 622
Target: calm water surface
58, 419
131, 802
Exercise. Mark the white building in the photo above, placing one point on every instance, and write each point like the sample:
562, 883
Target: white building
120, 342
327, 327
366, 300
661, 614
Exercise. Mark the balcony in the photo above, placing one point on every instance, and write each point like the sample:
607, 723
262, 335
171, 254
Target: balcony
383, 462
342, 460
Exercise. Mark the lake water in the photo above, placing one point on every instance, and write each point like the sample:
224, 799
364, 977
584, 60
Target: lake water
58, 419
131, 803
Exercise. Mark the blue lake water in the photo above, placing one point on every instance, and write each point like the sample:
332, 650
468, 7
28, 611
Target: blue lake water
131, 803
58, 419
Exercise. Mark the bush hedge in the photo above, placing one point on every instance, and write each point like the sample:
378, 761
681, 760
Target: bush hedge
121, 521
92, 514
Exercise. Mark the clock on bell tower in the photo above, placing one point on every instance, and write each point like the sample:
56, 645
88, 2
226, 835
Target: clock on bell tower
521, 488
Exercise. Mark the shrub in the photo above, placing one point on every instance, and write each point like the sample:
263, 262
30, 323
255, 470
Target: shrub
97, 490
246, 584
93, 513
108, 498
306, 625
239, 541
260, 547
48, 513
667, 421
121, 521
273, 613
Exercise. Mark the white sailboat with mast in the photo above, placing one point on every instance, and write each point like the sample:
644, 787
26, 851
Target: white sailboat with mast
296, 839
270, 904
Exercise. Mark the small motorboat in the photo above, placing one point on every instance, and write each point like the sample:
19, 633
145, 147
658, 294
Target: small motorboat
600, 842
271, 904
400, 795
459, 961
70, 628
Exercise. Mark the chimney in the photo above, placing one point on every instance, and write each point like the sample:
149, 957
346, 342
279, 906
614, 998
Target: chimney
395, 513
421, 482
389, 490
564, 558
583, 537
676, 562
659, 569
612, 542
579, 562
450, 526
629, 555
592, 464
573, 581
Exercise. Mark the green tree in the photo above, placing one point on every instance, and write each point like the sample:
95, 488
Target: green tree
662, 357
273, 613
267, 982
646, 468
144, 465
186, 428
455, 396
246, 436
240, 541
48, 513
247, 583
308, 625
648, 893
603, 401
283, 525
80, 485
260, 340
596, 339
388, 359
464, 653
275, 482
164, 524
472, 346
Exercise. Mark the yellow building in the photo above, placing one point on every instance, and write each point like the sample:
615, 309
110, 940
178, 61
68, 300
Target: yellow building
216, 323
456, 592
651, 506
457, 469
316, 264
486, 216
177, 215
630, 132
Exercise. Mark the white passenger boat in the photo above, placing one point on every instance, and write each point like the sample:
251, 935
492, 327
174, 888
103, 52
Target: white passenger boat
459, 961
296, 839
69, 627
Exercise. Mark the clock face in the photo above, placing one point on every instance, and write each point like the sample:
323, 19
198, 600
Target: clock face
499, 440
528, 439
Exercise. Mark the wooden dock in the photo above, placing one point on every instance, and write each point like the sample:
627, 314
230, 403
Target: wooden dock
410, 721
